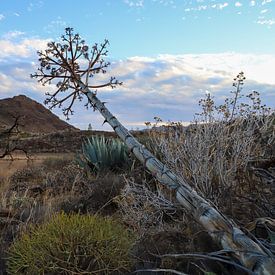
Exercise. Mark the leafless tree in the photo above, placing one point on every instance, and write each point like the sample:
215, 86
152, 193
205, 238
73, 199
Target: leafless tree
73, 66
9, 144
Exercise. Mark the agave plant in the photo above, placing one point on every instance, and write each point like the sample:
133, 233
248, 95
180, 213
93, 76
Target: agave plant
103, 154
72, 66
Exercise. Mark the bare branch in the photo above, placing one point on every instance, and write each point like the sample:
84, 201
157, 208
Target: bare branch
10, 146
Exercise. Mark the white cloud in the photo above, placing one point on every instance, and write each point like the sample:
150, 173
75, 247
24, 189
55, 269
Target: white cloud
56, 26
35, 5
23, 49
252, 3
18, 81
264, 11
266, 2
168, 2
238, 4
2, 17
222, 6
218, 6
136, 3
17, 62
12, 34
168, 86
268, 22
202, 7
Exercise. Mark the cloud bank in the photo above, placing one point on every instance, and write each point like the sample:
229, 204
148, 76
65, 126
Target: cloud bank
167, 86
17, 62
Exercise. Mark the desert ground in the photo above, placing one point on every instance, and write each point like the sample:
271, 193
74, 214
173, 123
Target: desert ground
20, 161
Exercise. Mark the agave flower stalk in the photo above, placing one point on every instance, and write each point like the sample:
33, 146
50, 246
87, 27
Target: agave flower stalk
60, 63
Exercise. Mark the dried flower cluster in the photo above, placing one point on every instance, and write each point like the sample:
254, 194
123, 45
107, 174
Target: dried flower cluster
69, 63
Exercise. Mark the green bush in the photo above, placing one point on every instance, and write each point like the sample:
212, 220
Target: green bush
103, 154
72, 244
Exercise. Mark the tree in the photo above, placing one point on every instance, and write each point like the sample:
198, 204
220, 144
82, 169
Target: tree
90, 128
9, 144
71, 65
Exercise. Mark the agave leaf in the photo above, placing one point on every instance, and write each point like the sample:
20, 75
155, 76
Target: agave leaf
104, 153
271, 235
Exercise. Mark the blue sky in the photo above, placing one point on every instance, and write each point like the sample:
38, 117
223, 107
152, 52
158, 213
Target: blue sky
167, 52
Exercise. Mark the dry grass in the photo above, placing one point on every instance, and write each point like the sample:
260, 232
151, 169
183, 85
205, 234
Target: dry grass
34, 194
9, 167
146, 207
227, 156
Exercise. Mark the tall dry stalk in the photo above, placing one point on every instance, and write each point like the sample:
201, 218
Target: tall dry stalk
60, 64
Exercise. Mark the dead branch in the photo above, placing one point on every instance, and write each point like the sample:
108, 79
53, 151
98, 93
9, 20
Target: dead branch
10, 146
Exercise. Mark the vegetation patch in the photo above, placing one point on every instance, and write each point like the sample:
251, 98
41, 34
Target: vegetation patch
72, 244
101, 154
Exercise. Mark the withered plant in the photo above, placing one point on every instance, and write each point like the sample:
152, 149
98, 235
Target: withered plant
220, 151
9, 140
72, 66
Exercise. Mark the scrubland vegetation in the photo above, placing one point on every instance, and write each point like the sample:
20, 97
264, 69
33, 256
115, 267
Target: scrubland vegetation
100, 212
205, 206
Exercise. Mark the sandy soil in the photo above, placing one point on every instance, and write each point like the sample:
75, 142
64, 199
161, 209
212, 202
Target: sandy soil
8, 167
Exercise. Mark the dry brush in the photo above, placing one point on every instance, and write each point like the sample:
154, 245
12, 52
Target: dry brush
73, 66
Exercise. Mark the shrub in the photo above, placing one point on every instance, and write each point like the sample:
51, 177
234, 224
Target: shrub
104, 154
72, 244
103, 194
216, 151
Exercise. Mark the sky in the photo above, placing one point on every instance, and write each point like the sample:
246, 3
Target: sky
168, 53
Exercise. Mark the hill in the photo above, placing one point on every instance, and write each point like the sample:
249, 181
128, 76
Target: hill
34, 117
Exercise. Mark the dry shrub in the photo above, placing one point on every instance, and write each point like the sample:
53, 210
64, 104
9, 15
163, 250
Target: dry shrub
33, 194
40, 182
152, 247
159, 243
215, 153
104, 191
147, 207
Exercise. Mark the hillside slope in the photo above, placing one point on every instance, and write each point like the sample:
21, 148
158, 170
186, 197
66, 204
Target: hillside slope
34, 117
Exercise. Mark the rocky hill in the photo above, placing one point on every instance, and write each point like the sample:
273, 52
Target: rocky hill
34, 117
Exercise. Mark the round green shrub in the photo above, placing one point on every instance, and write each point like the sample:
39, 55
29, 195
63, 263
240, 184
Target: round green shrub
72, 244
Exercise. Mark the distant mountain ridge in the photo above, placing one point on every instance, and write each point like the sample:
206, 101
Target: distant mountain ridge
34, 117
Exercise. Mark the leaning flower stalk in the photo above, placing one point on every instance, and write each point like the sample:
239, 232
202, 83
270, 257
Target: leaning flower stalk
61, 63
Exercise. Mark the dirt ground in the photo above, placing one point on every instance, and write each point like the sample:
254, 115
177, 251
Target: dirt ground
8, 166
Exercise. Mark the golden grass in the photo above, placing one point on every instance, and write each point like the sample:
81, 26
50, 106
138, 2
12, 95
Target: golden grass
9, 167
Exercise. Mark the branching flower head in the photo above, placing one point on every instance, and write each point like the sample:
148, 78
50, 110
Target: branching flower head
69, 63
